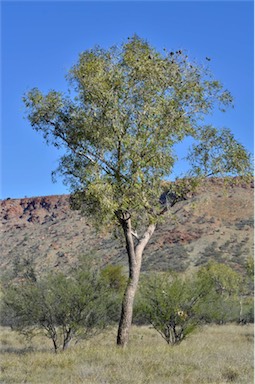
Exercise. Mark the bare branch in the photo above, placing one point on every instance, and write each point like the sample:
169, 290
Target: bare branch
134, 233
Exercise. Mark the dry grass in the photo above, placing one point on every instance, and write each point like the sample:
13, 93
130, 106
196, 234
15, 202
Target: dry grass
217, 354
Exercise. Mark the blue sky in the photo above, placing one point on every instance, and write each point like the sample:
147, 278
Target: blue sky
42, 40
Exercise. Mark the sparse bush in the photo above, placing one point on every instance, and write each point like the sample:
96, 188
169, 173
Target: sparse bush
64, 307
168, 303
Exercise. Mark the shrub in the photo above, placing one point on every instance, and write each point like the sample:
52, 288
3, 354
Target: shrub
64, 307
167, 302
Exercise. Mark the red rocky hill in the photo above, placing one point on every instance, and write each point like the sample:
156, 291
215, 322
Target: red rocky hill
216, 223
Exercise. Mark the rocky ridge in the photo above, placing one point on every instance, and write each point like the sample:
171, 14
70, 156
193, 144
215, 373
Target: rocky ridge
216, 223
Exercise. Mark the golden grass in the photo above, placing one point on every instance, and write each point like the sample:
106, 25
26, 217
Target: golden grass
215, 354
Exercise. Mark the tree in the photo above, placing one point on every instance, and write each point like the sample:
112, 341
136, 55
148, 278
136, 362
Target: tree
168, 303
65, 307
132, 104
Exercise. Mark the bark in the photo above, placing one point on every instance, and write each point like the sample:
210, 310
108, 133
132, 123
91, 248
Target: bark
66, 338
55, 345
135, 259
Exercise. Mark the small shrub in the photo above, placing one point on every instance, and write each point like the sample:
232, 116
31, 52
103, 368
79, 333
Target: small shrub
64, 307
167, 302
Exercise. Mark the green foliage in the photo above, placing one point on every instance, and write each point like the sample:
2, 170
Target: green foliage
115, 282
221, 278
65, 307
250, 267
246, 315
223, 288
113, 277
218, 153
218, 309
167, 303
132, 105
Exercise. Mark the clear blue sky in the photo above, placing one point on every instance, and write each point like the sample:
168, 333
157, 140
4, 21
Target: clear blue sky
42, 40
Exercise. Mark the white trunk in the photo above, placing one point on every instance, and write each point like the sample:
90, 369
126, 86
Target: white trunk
135, 259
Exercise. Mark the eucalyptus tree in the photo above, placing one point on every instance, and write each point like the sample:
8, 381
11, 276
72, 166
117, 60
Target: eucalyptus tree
126, 109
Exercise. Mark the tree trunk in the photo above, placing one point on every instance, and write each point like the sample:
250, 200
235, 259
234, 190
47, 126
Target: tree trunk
135, 259
67, 337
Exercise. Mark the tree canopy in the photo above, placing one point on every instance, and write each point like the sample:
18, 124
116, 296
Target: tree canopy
132, 104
